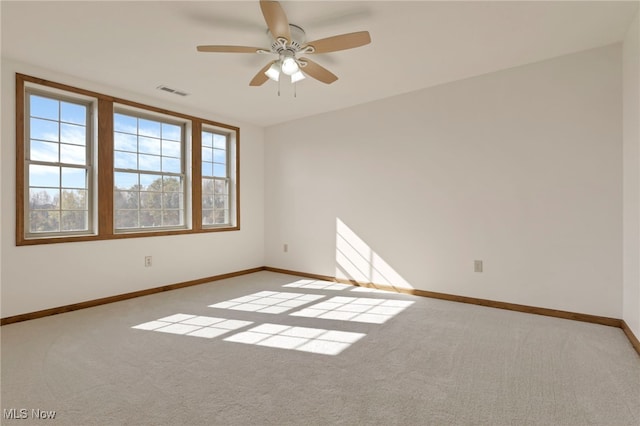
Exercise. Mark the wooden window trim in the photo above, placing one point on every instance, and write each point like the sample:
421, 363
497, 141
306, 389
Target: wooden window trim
105, 230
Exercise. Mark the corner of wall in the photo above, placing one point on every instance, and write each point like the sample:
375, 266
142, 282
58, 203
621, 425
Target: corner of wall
631, 177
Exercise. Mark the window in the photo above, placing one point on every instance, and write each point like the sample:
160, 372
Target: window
91, 166
58, 165
149, 177
215, 178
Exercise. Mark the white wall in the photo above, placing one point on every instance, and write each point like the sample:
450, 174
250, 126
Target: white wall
631, 182
46, 276
520, 168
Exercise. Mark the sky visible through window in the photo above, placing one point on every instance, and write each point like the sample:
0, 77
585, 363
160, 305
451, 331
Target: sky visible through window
57, 135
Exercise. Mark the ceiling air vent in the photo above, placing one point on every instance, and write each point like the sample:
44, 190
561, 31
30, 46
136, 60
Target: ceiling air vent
170, 90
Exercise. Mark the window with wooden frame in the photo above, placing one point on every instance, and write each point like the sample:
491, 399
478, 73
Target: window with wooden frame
91, 167
217, 188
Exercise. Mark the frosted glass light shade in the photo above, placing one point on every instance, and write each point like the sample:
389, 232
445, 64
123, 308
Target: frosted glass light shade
289, 66
273, 73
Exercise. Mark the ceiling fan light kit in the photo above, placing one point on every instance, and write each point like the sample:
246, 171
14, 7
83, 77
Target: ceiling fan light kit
289, 41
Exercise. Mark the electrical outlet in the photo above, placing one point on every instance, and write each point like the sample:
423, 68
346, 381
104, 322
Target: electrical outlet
286, 248
147, 261
477, 266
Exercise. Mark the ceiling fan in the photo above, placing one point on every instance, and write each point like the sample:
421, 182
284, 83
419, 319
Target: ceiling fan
288, 42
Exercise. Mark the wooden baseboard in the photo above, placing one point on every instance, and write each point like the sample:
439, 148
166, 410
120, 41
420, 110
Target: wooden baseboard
612, 322
119, 297
632, 337
300, 274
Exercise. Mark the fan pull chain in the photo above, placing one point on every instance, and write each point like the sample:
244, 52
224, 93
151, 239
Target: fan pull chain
278, 87
295, 90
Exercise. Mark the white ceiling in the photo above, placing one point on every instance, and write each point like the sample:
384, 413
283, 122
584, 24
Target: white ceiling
137, 46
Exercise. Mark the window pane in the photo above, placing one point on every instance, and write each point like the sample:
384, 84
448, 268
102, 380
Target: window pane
219, 170
220, 186
125, 160
48, 176
125, 180
151, 182
73, 154
207, 154
207, 201
150, 218
148, 128
127, 219
125, 123
171, 200
149, 163
172, 218
220, 202
150, 200
74, 199
219, 141
44, 129
74, 178
171, 149
44, 199
126, 200
125, 142
207, 139
74, 134
149, 145
207, 217
171, 184
207, 169
73, 113
221, 216
219, 156
44, 221
207, 186
74, 220
171, 165
172, 132
44, 151
43, 107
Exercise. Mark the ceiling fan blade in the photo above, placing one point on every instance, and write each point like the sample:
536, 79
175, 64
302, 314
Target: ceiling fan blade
340, 42
318, 72
276, 19
260, 78
231, 49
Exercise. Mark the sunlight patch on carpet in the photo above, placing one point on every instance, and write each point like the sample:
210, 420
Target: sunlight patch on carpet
193, 325
318, 285
358, 309
314, 340
268, 302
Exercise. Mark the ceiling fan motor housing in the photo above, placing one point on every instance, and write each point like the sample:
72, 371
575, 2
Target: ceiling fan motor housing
298, 39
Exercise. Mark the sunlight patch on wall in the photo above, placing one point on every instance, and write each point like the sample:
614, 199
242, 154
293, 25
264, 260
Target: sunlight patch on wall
268, 302
314, 340
357, 261
357, 309
193, 325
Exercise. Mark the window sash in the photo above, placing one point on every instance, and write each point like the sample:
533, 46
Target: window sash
157, 216
60, 213
217, 206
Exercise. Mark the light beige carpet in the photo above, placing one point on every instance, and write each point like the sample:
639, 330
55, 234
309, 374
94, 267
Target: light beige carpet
272, 349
